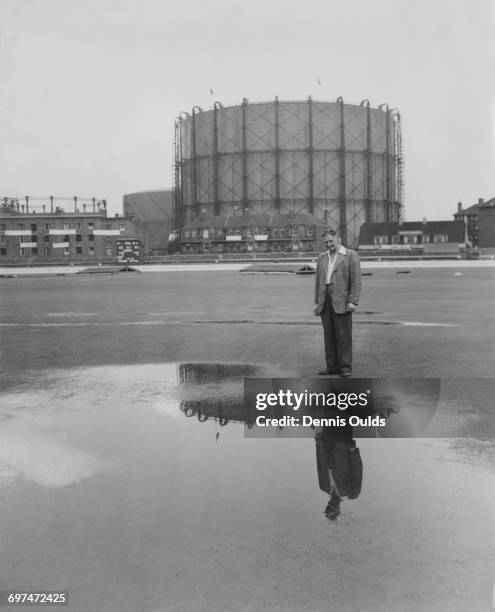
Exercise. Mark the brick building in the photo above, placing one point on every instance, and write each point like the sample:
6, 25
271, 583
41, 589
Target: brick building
480, 222
270, 233
33, 237
487, 227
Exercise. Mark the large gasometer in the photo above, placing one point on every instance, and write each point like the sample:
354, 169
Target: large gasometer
340, 162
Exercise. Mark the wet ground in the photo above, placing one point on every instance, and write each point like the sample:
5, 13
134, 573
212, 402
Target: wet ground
113, 489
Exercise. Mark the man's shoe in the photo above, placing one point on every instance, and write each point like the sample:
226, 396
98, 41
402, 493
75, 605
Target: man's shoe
345, 373
327, 372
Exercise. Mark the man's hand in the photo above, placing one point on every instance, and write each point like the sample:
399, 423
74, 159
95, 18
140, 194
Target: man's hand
317, 311
351, 307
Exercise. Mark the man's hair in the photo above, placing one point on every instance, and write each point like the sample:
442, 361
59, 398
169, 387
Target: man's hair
330, 232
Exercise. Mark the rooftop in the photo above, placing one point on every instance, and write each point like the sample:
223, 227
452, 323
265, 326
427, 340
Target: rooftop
472, 210
271, 220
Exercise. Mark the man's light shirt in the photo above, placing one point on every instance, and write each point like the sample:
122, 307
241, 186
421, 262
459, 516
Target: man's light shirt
331, 263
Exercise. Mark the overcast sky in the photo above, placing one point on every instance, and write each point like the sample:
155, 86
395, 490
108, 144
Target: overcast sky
89, 89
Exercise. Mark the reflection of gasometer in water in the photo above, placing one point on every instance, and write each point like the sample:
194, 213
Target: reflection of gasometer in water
214, 391
339, 466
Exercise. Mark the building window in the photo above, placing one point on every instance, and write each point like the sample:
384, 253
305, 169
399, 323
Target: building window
34, 251
108, 226
440, 238
66, 251
108, 251
2, 227
66, 237
2, 239
21, 251
21, 239
34, 227
20, 226
34, 238
186, 233
381, 239
122, 227
79, 250
46, 227
426, 238
78, 237
395, 239
193, 233
47, 250
46, 238
91, 250
91, 226
91, 237
3, 251
65, 226
78, 226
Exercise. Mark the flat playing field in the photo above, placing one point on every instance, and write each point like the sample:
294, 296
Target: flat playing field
110, 492
428, 322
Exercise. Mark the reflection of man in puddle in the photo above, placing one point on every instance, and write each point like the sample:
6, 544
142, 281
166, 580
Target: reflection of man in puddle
339, 465
338, 460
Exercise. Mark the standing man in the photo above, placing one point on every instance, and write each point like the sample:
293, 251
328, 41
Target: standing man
337, 289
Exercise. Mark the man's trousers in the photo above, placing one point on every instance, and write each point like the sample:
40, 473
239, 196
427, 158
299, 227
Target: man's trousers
337, 333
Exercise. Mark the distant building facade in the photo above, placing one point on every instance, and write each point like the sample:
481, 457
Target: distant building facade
487, 225
152, 212
270, 233
413, 237
480, 222
31, 237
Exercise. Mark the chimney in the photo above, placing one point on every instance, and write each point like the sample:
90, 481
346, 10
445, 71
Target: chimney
481, 201
459, 207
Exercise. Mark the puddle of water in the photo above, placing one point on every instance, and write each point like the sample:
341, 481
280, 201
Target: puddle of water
41, 458
146, 505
